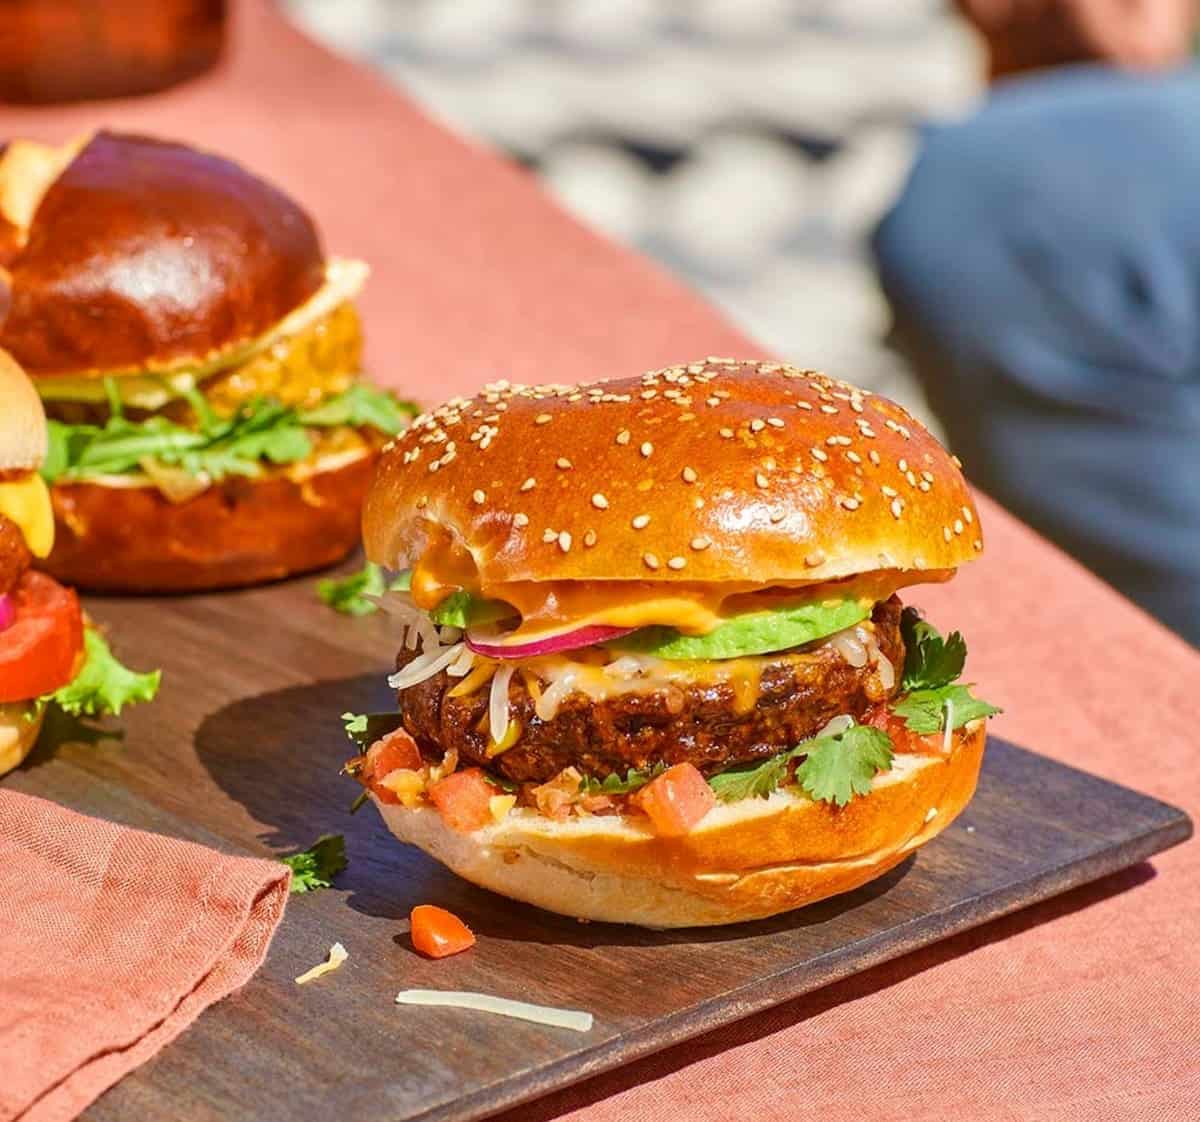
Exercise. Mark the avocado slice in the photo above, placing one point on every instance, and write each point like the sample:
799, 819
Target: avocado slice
750, 634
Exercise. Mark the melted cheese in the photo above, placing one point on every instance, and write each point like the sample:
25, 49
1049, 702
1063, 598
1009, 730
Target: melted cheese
26, 501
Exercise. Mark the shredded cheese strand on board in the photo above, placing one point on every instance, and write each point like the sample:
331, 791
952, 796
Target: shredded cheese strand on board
337, 955
572, 1019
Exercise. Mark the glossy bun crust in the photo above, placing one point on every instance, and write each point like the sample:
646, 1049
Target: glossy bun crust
129, 254
734, 471
20, 727
22, 421
747, 860
237, 532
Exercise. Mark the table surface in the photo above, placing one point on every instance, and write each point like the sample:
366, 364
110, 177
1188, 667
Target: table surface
1080, 1008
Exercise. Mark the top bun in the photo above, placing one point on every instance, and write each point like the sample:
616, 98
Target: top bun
714, 471
128, 254
22, 422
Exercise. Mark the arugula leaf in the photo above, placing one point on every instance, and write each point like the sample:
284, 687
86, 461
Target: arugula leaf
615, 785
259, 430
836, 768
316, 866
103, 685
366, 728
361, 406
348, 594
930, 661
924, 711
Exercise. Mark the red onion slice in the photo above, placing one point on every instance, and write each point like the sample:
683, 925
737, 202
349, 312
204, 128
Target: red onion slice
567, 641
8, 612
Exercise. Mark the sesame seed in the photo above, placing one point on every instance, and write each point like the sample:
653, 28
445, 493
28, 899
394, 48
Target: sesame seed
854, 457
873, 456
649, 560
911, 477
946, 533
623, 436
647, 448
757, 426
688, 475
434, 465
897, 508
925, 485
712, 401
640, 521
520, 520
903, 465
564, 542
599, 501
542, 419
479, 497
968, 515
927, 476
978, 544
775, 422
676, 563
700, 542
849, 504
589, 539
958, 526
777, 516
819, 454
829, 409
760, 479
814, 559
549, 536
563, 463
529, 484
726, 433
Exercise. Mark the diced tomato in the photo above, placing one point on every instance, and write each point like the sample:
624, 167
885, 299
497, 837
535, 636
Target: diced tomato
676, 800
39, 652
463, 799
902, 737
437, 932
396, 750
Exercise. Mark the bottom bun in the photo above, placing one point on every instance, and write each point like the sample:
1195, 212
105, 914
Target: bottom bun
19, 730
113, 538
747, 860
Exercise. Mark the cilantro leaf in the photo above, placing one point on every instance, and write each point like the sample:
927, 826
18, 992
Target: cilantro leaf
924, 711
366, 728
614, 785
103, 685
836, 768
316, 866
930, 661
362, 406
748, 781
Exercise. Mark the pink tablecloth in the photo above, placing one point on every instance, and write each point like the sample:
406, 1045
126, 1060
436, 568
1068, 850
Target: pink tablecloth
1086, 1008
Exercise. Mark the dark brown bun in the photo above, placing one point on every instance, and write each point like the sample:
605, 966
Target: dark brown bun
741, 471
22, 421
130, 254
746, 860
237, 532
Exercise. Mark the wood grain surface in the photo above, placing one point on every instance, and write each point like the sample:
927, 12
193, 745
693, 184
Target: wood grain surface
242, 751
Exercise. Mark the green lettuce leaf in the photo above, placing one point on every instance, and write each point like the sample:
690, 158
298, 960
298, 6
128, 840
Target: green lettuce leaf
316, 866
103, 685
348, 594
362, 406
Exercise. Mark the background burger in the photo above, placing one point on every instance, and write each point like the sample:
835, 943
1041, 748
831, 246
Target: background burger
654, 664
199, 359
49, 657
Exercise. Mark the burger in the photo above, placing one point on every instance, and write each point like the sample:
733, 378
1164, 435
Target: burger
200, 361
50, 658
654, 663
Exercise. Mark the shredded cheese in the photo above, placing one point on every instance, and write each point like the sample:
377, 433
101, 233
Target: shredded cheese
572, 1019
337, 955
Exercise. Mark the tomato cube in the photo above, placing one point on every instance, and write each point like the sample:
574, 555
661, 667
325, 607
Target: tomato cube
437, 932
463, 800
676, 800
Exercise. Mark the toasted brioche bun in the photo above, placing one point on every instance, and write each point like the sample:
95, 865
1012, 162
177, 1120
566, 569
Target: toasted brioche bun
19, 730
747, 471
22, 421
746, 860
238, 532
128, 254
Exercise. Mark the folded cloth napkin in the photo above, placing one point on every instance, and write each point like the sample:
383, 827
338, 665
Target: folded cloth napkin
112, 941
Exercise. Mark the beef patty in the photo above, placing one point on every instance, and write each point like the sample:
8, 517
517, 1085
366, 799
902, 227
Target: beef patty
14, 554
702, 724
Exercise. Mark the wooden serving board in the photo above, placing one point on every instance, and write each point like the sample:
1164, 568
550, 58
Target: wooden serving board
242, 751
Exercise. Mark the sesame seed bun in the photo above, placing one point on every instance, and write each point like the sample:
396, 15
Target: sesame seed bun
118, 537
128, 254
23, 427
745, 860
714, 471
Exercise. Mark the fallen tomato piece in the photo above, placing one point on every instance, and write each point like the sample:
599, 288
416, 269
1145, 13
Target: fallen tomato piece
676, 800
389, 753
437, 933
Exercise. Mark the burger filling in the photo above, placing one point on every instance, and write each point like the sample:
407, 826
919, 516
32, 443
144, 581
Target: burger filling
753, 690
292, 401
